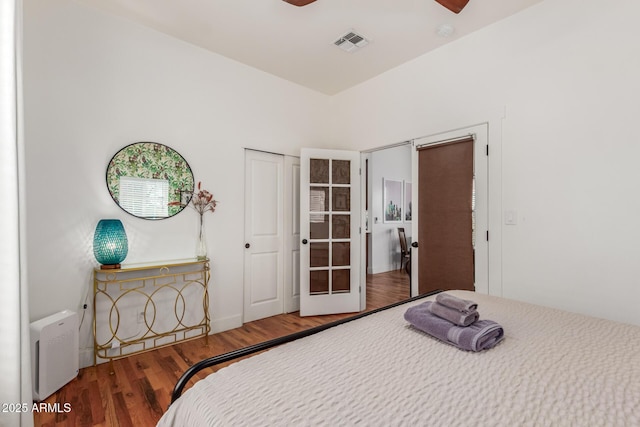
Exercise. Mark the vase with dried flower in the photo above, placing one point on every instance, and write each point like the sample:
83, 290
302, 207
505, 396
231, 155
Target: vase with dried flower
202, 201
201, 243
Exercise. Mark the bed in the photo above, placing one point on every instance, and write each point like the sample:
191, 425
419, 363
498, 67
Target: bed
552, 368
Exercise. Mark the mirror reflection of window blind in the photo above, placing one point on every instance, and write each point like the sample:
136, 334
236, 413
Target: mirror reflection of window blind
316, 204
145, 197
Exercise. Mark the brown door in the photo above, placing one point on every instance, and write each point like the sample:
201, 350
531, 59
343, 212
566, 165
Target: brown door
445, 185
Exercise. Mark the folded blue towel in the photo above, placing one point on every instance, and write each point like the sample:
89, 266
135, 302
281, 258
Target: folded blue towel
480, 335
462, 305
454, 316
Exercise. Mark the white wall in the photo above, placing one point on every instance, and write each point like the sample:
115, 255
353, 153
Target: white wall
390, 163
566, 73
93, 84
565, 156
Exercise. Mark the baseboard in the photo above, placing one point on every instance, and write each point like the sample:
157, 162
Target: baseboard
225, 323
86, 357
384, 268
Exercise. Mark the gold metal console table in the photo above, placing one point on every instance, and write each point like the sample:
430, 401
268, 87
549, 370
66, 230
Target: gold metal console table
146, 306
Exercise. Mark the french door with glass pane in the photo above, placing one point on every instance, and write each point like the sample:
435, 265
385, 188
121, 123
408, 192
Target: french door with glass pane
329, 232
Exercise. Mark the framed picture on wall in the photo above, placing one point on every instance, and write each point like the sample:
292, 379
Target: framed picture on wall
407, 201
392, 200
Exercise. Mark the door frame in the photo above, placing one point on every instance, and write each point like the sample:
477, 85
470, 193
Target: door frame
364, 228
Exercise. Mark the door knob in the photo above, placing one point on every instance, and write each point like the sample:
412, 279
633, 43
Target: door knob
247, 245
414, 244
305, 241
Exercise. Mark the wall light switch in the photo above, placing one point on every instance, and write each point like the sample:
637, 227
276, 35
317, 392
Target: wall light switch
511, 217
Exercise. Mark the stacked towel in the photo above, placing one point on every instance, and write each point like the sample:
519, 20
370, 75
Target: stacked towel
462, 305
476, 336
454, 316
460, 311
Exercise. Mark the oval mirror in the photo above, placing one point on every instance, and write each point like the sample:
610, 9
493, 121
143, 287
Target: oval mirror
146, 179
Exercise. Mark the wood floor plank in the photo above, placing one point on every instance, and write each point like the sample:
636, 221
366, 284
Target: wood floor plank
122, 419
149, 394
109, 406
97, 403
134, 368
138, 390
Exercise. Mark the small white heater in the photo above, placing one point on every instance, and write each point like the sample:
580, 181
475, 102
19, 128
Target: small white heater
54, 353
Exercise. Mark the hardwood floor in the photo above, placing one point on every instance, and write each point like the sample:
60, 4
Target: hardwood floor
139, 390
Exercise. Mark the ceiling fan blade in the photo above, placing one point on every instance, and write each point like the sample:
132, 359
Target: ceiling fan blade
299, 2
454, 6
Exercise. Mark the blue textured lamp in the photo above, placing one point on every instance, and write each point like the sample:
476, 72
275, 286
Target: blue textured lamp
110, 245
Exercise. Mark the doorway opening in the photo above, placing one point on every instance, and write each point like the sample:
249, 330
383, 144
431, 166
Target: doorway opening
388, 209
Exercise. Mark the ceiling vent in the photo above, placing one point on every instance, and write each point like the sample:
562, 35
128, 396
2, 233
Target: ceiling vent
351, 42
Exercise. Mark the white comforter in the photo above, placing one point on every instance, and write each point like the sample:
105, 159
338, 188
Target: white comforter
553, 368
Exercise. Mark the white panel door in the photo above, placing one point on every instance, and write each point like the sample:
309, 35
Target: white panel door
292, 234
329, 231
264, 233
